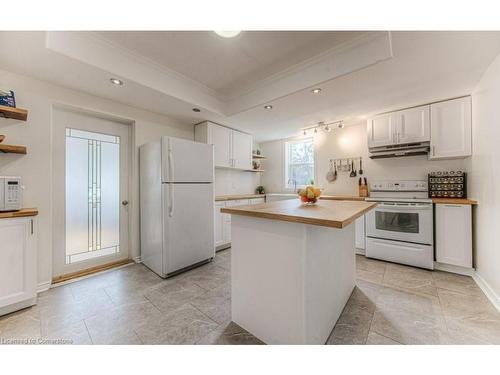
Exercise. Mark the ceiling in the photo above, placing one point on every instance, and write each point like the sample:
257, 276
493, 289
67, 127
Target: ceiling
228, 65
230, 80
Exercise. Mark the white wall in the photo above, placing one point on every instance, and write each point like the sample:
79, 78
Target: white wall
231, 182
35, 168
484, 181
349, 142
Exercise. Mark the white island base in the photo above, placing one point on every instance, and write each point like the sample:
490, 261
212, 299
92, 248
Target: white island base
290, 281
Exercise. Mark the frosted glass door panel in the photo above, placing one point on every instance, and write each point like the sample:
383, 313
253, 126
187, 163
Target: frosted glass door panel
92, 195
110, 193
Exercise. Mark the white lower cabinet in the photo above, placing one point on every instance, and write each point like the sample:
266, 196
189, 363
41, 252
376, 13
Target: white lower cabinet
360, 235
18, 268
219, 224
223, 221
454, 234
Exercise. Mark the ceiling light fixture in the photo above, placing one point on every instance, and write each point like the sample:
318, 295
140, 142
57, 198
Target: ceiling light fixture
268, 106
316, 91
116, 81
323, 126
196, 110
227, 33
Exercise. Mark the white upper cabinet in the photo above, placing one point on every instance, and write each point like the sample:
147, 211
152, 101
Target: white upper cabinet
242, 150
232, 149
400, 127
413, 125
451, 129
382, 130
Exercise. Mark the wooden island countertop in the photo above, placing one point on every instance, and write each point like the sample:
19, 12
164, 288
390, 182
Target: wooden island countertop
326, 213
21, 213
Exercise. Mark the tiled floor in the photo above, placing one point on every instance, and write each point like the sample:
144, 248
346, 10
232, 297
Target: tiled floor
391, 304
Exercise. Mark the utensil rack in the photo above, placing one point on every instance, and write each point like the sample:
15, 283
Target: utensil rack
344, 164
346, 160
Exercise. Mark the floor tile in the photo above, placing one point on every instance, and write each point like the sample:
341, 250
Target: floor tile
376, 339
371, 265
229, 333
459, 305
214, 304
185, 325
173, 295
456, 283
410, 278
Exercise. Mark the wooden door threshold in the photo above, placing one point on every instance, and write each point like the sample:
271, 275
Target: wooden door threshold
90, 271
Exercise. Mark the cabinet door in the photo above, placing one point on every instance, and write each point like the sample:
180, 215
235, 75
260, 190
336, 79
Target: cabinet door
414, 125
256, 201
242, 150
18, 265
382, 130
360, 232
221, 138
219, 224
451, 132
454, 234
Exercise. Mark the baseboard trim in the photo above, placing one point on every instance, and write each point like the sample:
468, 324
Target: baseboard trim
454, 269
488, 290
42, 287
137, 259
360, 251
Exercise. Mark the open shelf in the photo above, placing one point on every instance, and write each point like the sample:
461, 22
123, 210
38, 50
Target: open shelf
254, 170
15, 113
254, 156
10, 149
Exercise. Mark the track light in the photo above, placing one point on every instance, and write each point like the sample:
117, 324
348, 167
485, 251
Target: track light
341, 125
328, 129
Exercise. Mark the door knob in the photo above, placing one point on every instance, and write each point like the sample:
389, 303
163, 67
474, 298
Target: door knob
125, 203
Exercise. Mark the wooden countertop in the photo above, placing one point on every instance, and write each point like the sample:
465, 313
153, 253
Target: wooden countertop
454, 201
327, 213
342, 198
239, 196
21, 213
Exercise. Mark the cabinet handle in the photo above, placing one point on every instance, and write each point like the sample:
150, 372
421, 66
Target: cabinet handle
433, 150
31, 222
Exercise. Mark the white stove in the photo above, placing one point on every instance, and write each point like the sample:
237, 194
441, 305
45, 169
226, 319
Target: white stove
400, 228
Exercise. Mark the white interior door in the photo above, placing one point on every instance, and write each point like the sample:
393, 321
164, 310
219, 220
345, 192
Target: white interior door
91, 164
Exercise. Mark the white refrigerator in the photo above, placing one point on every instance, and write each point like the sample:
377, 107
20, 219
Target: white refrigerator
176, 204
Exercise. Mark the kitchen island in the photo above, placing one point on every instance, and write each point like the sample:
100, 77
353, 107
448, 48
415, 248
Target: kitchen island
292, 267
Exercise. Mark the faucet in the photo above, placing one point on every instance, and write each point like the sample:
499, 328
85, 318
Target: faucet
294, 183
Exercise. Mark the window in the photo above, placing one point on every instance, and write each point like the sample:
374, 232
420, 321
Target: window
299, 163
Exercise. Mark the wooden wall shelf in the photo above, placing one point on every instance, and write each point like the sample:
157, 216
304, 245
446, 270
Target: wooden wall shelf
14, 113
10, 149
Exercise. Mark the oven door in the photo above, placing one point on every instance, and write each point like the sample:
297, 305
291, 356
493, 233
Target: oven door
409, 222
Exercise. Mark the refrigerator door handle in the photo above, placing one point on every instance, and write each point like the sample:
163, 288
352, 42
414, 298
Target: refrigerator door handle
171, 189
171, 198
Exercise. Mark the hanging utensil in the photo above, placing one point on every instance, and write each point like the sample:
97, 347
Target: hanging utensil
335, 167
360, 166
330, 176
353, 170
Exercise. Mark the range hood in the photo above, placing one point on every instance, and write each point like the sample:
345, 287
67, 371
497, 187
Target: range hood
400, 150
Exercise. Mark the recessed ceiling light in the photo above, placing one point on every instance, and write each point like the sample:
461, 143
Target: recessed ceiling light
116, 81
196, 110
227, 33
316, 91
268, 106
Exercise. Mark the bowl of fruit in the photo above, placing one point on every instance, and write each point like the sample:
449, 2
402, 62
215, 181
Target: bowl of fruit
309, 195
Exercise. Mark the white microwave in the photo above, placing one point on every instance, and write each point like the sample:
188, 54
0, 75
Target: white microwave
10, 193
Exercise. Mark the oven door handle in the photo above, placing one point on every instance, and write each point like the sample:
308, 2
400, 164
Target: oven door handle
403, 207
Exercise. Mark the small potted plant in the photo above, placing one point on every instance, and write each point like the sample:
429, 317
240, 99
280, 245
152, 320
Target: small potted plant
260, 190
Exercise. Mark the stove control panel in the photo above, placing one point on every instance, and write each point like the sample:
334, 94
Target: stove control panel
398, 185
